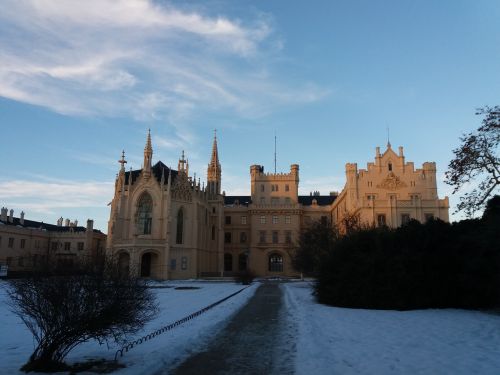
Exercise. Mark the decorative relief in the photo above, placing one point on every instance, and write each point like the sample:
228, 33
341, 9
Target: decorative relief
181, 189
391, 182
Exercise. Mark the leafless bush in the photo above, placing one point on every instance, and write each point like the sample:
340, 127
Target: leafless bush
66, 306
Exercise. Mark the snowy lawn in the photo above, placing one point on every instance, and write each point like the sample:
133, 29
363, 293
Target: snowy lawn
354, 341
164, 351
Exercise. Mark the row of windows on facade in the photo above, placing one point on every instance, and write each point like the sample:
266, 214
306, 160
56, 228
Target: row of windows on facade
33, 260
413, 197
274, 187
405, 219
54, 245
275, 262
262, 237
263, 220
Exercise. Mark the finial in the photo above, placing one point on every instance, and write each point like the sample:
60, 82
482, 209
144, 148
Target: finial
215, 133
388, 138
122, 161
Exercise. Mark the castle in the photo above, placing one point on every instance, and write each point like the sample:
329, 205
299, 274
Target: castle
166, 225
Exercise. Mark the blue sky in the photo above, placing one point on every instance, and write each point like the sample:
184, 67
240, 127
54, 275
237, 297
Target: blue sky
80, 81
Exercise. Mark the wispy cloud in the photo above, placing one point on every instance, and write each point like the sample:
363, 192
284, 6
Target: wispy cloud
152, 61
47, 195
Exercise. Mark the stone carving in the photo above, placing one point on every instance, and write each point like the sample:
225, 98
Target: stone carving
391, 182
181, 189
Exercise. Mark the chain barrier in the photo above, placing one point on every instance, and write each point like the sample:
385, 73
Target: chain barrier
167, 328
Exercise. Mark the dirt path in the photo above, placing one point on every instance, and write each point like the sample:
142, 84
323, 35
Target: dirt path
258, 340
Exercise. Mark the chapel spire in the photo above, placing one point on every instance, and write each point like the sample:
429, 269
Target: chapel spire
214, 169
148, 154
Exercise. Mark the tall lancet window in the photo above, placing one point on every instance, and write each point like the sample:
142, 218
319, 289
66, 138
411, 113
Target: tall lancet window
144, 214
180, 226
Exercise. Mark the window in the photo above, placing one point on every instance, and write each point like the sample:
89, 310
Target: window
9, 261
405, 219
275, 201
288, 219
213, 210
262, 219
262, 187
37, 244
0, 240
262, 200
11, 242
80, 246
227, 237
428, 216
243, 237
144, 214
389, 166
272, 187
243, 220
180, 226
184, 263
287, 200
370, 197
173, 264
275, 236
275, 187
275, 220
275, 263
20, 261
287, 187
213, 232
381, 220
23, 243
288, 237
262, 236
67, 246
228, 220
54, 246
228, 262
242, 262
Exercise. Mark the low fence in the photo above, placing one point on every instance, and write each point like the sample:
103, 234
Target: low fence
132, 344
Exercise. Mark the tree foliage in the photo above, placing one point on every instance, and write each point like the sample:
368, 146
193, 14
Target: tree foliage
476, 163
64, 307
315, 242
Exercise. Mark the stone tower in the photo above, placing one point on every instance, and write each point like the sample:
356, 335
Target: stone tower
214, 171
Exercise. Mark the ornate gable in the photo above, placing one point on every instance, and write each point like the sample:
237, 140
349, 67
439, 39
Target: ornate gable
181, 189
391, 182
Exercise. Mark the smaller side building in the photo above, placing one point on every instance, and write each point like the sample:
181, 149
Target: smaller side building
390, 191
26, 243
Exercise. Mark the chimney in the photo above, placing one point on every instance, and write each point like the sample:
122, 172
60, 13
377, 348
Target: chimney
66, 223
90, 225
400, 150
11, 216
3, 215
21, 218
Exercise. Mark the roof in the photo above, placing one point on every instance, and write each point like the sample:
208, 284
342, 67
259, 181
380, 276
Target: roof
243, 200
322, 200
305, 200
157, 172
31, 224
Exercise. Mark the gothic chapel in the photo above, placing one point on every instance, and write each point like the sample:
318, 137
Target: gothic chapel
163, 224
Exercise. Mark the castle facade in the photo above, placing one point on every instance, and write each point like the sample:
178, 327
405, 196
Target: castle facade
164, 224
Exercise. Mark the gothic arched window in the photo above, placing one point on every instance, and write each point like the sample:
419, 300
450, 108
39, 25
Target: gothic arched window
144, 214
180, 226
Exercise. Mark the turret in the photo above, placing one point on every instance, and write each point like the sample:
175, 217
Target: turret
214, 170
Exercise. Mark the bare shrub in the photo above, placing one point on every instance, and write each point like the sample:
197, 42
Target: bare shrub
66, 305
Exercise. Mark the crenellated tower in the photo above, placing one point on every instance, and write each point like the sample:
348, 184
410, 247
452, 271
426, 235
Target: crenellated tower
214, 170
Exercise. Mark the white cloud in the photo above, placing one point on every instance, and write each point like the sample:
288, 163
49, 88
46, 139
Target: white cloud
152, 61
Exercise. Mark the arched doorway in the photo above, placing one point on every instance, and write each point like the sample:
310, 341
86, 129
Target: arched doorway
275, 262
124, 263
149, 265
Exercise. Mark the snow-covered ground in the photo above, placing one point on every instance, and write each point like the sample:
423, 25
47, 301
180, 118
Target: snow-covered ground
354, 341
164, 351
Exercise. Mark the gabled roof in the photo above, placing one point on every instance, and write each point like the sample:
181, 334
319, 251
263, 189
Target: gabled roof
157, 170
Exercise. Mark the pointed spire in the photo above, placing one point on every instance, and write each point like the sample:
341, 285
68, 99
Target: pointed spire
148, 153
214, 169
122, 161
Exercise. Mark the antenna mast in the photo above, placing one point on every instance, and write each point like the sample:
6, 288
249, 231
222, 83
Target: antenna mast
275, 152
